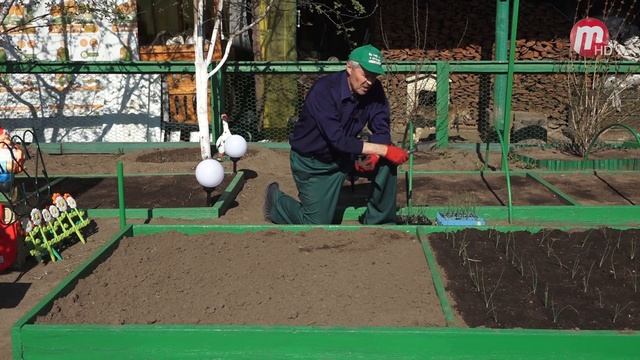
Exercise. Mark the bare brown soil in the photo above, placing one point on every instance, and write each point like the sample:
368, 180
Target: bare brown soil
370, 277
262, 166
552, 279
483, 190
624, 185
21, 290
141, 191
429, 159
599, 188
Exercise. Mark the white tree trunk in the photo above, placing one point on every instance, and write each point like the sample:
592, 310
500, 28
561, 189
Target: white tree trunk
202, 81
202, 64
202, 109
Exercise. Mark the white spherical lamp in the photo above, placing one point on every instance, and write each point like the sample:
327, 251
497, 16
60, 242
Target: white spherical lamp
235, 146
209, 173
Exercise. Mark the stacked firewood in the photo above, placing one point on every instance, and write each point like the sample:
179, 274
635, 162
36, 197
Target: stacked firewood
442, 24
465, 30
557, 49
470, 93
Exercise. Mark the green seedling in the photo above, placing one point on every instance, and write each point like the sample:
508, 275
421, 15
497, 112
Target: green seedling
617, 311
534, 277
461, 207
600, 303
633, 274
557, 310
586, 277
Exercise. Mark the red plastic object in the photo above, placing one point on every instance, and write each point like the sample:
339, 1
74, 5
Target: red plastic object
9, 232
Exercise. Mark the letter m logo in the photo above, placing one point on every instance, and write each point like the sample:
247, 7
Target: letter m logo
588, 36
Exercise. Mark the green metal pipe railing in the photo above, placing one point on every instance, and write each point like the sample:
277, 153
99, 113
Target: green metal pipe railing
442, 68
470, 66
442, 104
502, 36
408, 136
184, 67
506, 130
631, 130
554, 189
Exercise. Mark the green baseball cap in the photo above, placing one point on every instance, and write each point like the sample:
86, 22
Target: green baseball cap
369, 57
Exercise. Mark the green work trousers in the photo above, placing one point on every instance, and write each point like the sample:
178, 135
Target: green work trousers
319, 184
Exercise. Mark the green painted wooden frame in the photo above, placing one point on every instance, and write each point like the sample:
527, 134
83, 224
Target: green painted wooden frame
218, 209
550, 215
35, 341
582, 164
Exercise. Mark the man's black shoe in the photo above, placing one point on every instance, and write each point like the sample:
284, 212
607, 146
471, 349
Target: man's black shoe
270, 197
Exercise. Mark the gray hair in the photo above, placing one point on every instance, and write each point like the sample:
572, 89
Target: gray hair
354, 64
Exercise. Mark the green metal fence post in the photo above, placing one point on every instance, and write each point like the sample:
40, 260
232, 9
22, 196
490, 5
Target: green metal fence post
122, 211
506, 130
442, 104
411, 148
502, 34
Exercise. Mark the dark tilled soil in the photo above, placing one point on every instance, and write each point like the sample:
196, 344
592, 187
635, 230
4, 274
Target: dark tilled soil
551, 279
158, 191
370, 277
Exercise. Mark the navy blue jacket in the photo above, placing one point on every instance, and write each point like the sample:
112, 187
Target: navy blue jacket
332, 117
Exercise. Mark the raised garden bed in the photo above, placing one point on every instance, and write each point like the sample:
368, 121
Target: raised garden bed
352, 292
547, 280
602, 188
478, 189
165, 195
612, 159
159, 191
371, 277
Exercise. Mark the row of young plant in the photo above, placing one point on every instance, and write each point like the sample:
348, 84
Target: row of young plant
559, 269
602, 253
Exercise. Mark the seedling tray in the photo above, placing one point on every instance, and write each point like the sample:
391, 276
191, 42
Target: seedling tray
459, 220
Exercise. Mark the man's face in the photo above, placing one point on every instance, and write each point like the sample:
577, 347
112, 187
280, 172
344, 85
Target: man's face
360, 80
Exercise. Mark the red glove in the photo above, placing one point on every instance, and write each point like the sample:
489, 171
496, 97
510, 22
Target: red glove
396, 155
367, 163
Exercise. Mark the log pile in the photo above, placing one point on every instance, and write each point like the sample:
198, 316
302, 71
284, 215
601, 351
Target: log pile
556, 49
465, 30
441, 24
545, 93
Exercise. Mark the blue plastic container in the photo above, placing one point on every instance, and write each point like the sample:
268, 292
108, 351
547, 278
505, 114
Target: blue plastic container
459, 221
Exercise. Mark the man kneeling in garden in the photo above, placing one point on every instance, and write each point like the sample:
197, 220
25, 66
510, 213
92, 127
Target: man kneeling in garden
325, 144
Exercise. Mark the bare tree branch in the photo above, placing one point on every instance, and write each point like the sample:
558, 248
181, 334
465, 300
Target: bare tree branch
236, 33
